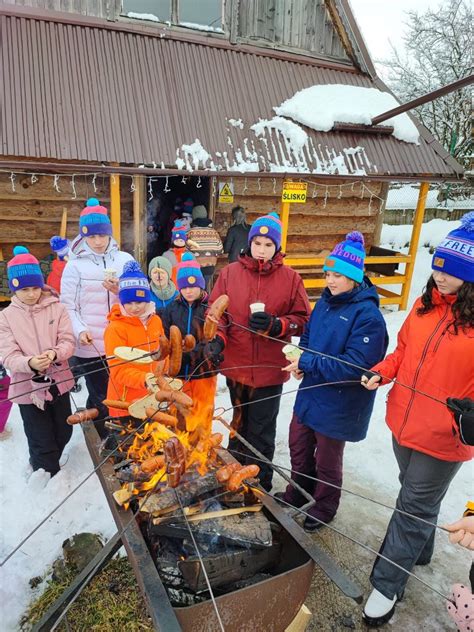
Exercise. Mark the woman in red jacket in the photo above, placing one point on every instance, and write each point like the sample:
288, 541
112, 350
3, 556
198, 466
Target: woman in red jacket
434, 355
280, 309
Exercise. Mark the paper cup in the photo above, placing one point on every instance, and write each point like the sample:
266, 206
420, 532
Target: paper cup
291, 352
257, 307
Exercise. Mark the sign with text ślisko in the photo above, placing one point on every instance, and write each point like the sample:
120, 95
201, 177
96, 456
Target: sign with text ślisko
226, 192
294, 192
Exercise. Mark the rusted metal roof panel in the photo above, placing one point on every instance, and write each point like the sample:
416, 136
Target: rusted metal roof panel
82, 92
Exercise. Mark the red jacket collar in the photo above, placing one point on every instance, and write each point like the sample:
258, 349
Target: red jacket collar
262, 268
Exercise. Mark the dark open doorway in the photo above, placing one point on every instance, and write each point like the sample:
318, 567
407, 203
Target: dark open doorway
171, 197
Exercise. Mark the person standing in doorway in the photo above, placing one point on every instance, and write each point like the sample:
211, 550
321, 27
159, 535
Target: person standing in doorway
267, 302
237, 236
204, 243
89, 289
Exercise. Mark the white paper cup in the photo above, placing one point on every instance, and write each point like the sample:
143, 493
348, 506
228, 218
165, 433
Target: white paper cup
291, 352
257, 307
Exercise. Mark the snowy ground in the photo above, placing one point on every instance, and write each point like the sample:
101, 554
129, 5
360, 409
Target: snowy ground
370, 468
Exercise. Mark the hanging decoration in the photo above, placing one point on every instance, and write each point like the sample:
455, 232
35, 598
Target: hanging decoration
33, 178
133, 188
245, 187
258, 184
199, 185
12, 180
184, 179
274, 186
326, 197
166, 188
315, 193
56, 184
94, 186
73, 187
340, 193
150, 189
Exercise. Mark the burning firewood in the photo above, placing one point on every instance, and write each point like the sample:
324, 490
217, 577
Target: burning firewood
122, 496
188, 492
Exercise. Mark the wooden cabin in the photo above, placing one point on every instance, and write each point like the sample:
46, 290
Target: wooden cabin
134, 110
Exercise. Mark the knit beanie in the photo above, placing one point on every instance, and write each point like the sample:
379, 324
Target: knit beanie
455, 254
133, 285
189, 273
94, 219
199, 212
178, 231
348, 257
23, 270
60, 245
267, 226
162, 263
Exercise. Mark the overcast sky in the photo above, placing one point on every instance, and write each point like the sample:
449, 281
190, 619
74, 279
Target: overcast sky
382, 21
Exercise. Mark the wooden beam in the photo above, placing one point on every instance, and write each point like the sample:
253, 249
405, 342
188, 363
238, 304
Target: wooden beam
309, 260
63, 228
139, 222
415, 238
115, 206
285, 218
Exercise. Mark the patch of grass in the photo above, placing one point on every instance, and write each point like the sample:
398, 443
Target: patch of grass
111, 602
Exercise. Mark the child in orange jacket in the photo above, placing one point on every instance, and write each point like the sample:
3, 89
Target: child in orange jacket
132, 323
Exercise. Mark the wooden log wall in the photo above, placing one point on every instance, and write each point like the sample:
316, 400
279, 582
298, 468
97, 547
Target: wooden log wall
314, 227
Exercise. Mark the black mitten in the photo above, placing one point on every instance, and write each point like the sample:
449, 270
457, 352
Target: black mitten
463, 411
266, 323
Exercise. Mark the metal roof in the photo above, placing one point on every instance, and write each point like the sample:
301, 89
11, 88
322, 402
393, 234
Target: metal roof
83, 90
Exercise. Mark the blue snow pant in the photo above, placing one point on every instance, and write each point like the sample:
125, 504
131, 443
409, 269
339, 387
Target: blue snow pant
424, 483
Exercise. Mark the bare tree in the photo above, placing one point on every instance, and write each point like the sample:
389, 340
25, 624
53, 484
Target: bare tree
437, 51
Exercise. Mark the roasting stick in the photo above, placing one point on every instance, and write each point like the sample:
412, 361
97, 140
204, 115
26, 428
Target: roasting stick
119, 534
201, 561
260, 490
348, 491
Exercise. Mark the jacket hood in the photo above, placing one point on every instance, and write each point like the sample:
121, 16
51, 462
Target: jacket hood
48, 296
80, 248
255, 265
364, 292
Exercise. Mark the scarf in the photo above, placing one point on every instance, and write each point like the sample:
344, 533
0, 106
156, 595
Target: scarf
163, 293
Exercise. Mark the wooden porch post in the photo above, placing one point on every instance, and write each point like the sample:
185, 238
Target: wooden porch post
115, 206
139, 223
415, 238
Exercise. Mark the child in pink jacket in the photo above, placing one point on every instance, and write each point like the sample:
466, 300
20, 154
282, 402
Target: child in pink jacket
36, 339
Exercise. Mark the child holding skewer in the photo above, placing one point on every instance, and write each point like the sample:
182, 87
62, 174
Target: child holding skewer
132, 323
37, 339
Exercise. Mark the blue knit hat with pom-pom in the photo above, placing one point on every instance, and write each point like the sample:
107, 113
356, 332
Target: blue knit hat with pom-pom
189, 273
348, 257
60, 245
23, 270
455, 254
94, 219
133, 285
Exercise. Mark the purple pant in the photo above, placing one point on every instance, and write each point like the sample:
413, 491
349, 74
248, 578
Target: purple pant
314, 454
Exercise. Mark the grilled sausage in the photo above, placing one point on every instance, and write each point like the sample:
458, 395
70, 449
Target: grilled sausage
82, 415
214, 315
174, 397
152, 464
163, 418
165, 347
189, 342
176, 353
224, 473
237, 478
116, 403
175, 458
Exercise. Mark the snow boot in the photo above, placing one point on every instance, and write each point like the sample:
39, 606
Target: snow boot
310, 525
378, 609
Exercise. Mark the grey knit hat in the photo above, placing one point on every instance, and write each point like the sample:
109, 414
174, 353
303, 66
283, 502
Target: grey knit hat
199, 212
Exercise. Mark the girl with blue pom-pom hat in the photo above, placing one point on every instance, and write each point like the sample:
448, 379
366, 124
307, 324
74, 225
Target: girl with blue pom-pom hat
36, 341
346, 322
89, 288
131, 323
431, 440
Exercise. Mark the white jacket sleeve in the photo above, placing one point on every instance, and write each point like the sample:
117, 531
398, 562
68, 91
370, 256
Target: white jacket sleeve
70, 292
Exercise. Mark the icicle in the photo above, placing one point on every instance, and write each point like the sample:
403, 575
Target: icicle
199, 185
167, 188
56, 184
33, 178
94, 186
12, 180
73, 186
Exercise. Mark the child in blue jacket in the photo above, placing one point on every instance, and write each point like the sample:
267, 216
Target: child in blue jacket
346, 323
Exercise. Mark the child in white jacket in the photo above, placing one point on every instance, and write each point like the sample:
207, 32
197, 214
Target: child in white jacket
89, 288
36, 340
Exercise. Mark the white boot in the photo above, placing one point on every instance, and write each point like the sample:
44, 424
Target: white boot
378, 609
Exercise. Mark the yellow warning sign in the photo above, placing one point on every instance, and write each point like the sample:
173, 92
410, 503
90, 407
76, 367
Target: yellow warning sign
226, 192
294, 192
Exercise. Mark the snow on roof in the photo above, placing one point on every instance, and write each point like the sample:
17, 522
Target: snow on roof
320, 106
406, 196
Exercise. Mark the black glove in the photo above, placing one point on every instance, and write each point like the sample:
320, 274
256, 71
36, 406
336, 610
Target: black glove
463, 411
266, 323
371, 374
213, 351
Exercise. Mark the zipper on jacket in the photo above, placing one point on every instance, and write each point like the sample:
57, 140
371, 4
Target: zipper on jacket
440, 339
417, 372
188, 331
108, 293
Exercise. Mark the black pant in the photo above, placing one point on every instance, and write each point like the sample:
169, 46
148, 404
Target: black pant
256, 422
47, 432
97, 380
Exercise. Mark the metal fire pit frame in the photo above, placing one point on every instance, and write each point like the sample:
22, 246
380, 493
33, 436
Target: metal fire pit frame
163, 615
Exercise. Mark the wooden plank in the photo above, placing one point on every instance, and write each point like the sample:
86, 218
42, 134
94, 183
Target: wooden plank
388, 280
307, 260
